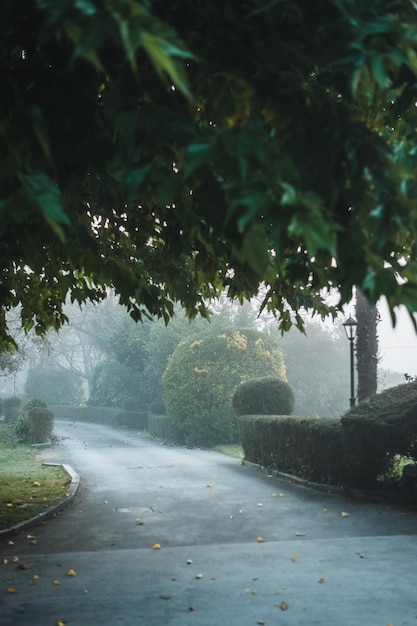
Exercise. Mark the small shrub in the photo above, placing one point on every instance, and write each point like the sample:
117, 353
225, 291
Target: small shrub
35, 423
267, 395
11, 408
22, 427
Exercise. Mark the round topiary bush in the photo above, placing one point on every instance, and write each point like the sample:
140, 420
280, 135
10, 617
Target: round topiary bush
202, 375
266, 395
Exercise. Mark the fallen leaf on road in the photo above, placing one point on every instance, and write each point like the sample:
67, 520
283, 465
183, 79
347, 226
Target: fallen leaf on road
260, 540
160, 510
299, 534
325, 509
209, 486
200, 576
15, 559
294, 558
192, 607
139, 521
61, 623
56, 582
10, 543
321, 581
164, 597
156, 546
344, 514
35, 577
11, 590
283, 606
275, 495
254, 592
261, 622
71, 572
23, 566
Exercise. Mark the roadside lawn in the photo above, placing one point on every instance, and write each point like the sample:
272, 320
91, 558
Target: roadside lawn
26, 486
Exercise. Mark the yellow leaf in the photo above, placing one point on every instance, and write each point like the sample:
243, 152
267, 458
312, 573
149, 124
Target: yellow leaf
344, 514
139, 521
9, 504
156, 546
254, 592
325, 509
321, 581
11, 590
260, 540
294, 557
283, 606
71, 572
56, 582
60, 623
35, 576
36, 483
275, 495
15, 559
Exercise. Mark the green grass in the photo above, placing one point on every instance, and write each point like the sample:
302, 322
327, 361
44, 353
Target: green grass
27, 487
231, 450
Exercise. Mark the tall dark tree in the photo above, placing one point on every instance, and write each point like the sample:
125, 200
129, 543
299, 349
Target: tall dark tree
366, 346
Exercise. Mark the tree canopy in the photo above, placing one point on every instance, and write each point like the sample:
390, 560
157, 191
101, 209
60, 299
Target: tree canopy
174, 150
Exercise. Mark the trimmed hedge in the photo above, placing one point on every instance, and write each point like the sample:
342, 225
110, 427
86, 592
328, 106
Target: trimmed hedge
377, 430
109, 416
133, 419
307, 447
163, 427
267, 395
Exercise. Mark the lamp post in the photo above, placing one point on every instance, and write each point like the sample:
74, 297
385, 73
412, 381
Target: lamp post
350, 329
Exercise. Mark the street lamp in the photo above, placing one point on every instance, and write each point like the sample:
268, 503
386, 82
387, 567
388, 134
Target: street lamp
350, 329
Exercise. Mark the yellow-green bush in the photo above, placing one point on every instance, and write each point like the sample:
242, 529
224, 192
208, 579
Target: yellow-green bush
203, 374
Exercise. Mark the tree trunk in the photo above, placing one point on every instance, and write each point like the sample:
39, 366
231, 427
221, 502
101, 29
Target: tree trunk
366, 346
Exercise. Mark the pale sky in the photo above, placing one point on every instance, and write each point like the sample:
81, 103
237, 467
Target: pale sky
397, 346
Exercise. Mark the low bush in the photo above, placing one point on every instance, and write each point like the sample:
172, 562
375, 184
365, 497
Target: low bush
11, 408
35, 423
266, 395
307, 447
379, 429
163, 427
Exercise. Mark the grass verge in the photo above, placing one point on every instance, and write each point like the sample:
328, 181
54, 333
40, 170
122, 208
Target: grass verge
231, 450
27, 487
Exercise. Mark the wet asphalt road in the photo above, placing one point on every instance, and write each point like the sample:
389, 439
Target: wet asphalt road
206, 511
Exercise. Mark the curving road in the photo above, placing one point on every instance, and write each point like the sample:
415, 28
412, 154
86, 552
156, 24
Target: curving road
206, 511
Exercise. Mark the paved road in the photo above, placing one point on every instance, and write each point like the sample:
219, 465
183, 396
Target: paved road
206, 511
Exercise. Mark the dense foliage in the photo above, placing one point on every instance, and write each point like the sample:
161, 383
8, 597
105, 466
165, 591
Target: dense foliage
266, 395
173, 149
203, 374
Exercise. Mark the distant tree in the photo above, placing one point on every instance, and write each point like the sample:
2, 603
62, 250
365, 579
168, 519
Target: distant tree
54, 386
366, 346
317, 369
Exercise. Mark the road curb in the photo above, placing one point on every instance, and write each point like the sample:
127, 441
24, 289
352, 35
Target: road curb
50, 511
